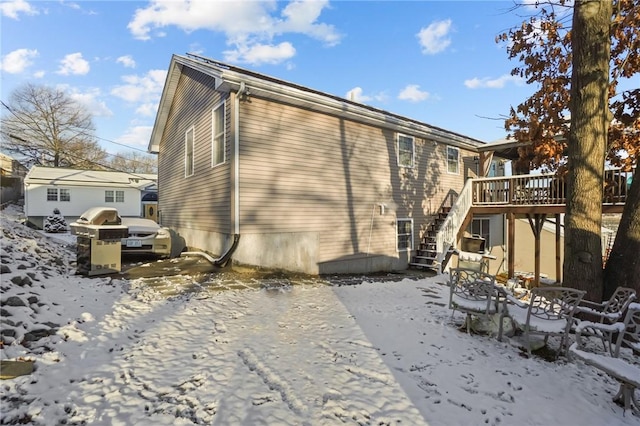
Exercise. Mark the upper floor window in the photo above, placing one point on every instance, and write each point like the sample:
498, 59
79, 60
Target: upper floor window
111, 196
406, 151
453, 160
404, 234
218, 135
188, 152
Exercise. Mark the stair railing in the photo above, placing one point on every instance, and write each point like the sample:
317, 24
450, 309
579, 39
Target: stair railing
447, 234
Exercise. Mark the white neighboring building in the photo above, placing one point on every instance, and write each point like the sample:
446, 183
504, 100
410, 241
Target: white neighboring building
74, 191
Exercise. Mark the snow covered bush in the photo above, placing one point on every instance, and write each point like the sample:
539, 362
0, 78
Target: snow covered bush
55, 222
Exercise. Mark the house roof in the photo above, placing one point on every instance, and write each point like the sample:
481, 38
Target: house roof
74, 177
231, 78
504, 148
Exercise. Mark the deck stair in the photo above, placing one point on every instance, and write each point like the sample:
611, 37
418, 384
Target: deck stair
426, 256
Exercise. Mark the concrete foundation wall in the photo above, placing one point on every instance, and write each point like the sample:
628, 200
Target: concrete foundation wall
295, 251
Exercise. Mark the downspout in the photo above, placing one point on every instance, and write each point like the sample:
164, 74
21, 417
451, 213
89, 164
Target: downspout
236, 158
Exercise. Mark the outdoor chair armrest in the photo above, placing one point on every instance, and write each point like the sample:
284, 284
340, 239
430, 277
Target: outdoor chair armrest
605, 332
589, 303
609, 316
607, 328
510, 298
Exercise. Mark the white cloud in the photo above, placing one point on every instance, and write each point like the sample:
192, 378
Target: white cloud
17, 61
250, 26
11, 9
39, 74
74, 64
90, 99
148, 109
300, 17
356, 95
261, 54
496, 83
413, 93
434, 38
136, 136
141, 89
127, 61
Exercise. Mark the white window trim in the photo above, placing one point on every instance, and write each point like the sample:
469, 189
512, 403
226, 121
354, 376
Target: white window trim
193, 151
413, 150
487, 242
57, 195
68, 191
113, 196
457, 172
410, 248
214, 133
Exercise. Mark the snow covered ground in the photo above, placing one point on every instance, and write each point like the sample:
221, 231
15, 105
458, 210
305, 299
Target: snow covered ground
124, 352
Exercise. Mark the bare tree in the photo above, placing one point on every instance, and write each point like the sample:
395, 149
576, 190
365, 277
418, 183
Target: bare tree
134, 162
47, 127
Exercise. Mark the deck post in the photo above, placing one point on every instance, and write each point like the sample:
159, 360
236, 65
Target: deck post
511, 247
558, 260
536, 226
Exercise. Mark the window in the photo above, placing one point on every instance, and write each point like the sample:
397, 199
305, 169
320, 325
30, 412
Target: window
218, 135
404, 231
188, 153
111, 196
480, 226
406, 151
453, 160
52, 194
65, 195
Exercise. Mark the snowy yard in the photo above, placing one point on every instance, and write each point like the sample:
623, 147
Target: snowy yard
111, 351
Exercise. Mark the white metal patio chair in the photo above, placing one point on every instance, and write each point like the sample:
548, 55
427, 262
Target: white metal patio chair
472, 292
607, 312
623, 362
548, 312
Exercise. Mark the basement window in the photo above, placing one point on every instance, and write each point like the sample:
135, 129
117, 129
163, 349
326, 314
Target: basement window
404, 234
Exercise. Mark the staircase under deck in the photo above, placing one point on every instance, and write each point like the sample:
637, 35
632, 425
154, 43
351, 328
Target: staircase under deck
533, 196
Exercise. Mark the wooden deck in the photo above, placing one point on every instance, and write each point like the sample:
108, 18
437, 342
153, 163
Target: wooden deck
539, 194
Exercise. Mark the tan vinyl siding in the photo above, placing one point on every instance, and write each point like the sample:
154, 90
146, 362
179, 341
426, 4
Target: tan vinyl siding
201, 201
302, 171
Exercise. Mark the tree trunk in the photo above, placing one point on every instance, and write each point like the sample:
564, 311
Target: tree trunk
587, 146
623, 266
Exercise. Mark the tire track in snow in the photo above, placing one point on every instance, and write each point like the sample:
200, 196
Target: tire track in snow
273, 381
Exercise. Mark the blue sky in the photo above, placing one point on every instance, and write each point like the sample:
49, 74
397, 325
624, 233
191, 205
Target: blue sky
434, 61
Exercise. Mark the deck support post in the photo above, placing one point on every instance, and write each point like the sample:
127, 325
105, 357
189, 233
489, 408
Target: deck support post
536, 224
558, 259
511, 247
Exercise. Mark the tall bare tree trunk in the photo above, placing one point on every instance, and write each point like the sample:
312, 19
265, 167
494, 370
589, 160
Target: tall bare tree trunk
587, 144
623, 266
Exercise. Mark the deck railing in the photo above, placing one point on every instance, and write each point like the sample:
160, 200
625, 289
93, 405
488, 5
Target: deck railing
548, 189
541, 189
448, 232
